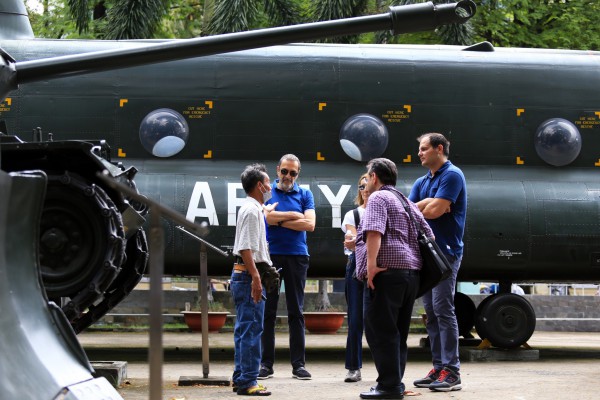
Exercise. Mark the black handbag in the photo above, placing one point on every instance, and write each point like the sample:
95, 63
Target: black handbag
436, 267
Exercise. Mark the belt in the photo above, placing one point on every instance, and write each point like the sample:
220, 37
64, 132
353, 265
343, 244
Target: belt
237, 260
403, 271
239, 267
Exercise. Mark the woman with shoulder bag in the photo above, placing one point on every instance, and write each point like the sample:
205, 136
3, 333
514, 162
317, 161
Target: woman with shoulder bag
354, 288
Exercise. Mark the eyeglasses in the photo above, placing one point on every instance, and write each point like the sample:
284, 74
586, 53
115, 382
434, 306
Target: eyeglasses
284, 172
361, 187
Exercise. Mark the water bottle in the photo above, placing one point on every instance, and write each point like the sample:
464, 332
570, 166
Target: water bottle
348, 236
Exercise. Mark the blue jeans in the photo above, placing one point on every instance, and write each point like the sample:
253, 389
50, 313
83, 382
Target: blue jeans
293, 273
354, 300
442, 327
247, 332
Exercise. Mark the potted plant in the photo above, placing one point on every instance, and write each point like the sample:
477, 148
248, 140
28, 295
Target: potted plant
321, 316
217, 315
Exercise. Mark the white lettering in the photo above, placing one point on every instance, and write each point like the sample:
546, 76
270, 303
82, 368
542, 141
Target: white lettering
233, 202
336, 203
208, 211
201, 189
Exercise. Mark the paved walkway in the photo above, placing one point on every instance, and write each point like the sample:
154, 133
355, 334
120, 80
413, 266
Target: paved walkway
564, 370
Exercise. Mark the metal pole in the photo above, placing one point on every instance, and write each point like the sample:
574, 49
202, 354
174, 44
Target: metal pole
155, 353
204, 309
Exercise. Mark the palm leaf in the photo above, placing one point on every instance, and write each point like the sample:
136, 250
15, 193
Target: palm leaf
232, 16
282, 12
135, 19
80, 11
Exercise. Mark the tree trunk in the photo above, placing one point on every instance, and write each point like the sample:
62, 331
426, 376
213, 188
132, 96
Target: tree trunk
323, 303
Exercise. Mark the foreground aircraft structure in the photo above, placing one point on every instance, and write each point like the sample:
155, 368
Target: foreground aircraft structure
92, 247
523, 123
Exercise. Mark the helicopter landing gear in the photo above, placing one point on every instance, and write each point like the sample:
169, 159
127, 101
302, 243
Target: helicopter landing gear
507, 320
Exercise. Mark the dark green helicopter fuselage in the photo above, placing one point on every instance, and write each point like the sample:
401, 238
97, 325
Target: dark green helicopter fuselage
527, 220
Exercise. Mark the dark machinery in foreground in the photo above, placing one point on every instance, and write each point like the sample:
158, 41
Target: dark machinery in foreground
92, 247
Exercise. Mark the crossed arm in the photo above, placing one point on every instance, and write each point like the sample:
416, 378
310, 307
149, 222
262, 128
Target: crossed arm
433, 208
292, 219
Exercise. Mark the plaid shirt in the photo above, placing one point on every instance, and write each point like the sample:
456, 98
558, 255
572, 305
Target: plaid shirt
399, 247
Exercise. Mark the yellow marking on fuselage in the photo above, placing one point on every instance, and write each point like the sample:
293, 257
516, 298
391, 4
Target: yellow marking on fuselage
408, 107
520, 111
597, 164
208, 155
209, 103
9, 101
121, 153
122, 102
407, 159
322, 106
519, 161
320, 157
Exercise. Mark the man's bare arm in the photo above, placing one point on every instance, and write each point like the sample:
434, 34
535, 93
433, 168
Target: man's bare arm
433, 208
307, 223
274, 217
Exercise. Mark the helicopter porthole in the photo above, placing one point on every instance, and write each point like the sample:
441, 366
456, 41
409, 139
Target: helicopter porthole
363, 137
557, 142
164, 132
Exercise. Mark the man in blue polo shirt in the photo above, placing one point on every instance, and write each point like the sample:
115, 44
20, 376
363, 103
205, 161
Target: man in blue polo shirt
441, 195
295, 215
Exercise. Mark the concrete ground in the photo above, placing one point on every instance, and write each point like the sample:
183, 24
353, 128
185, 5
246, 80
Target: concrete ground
564, 370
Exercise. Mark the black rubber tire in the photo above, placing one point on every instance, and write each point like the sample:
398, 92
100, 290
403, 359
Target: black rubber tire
465, 314
480, 323
508, 320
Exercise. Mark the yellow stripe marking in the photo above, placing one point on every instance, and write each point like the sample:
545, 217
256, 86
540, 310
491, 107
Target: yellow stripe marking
597, 113
121, 153
520, 111
519, 161
9, 101
320, 157
408, 107
407, 159
322, 106
597, 164
208, 155
209, 103
122, 102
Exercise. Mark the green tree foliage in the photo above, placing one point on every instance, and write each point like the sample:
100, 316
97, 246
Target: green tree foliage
565, 24
569, 24
53, 21
242, 15
326, 10
133, 19
183, 20
454, 34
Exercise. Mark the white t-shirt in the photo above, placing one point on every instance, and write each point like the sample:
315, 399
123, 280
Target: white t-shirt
349, 218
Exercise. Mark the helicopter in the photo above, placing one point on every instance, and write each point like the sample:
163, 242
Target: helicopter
523, 124
92, 247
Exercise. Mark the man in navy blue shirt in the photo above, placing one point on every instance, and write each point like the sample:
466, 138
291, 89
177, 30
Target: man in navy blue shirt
441, 195
295, 215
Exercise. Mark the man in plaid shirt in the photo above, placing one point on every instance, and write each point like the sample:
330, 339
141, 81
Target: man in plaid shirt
390, 263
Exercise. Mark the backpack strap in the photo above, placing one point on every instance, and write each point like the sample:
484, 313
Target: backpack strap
356, 217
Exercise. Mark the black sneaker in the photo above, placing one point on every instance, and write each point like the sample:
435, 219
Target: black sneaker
265, 372
428, 380
301, 373
447, 381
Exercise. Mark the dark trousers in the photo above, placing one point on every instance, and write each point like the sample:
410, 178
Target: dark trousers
293, 273
388, 310
354, 300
